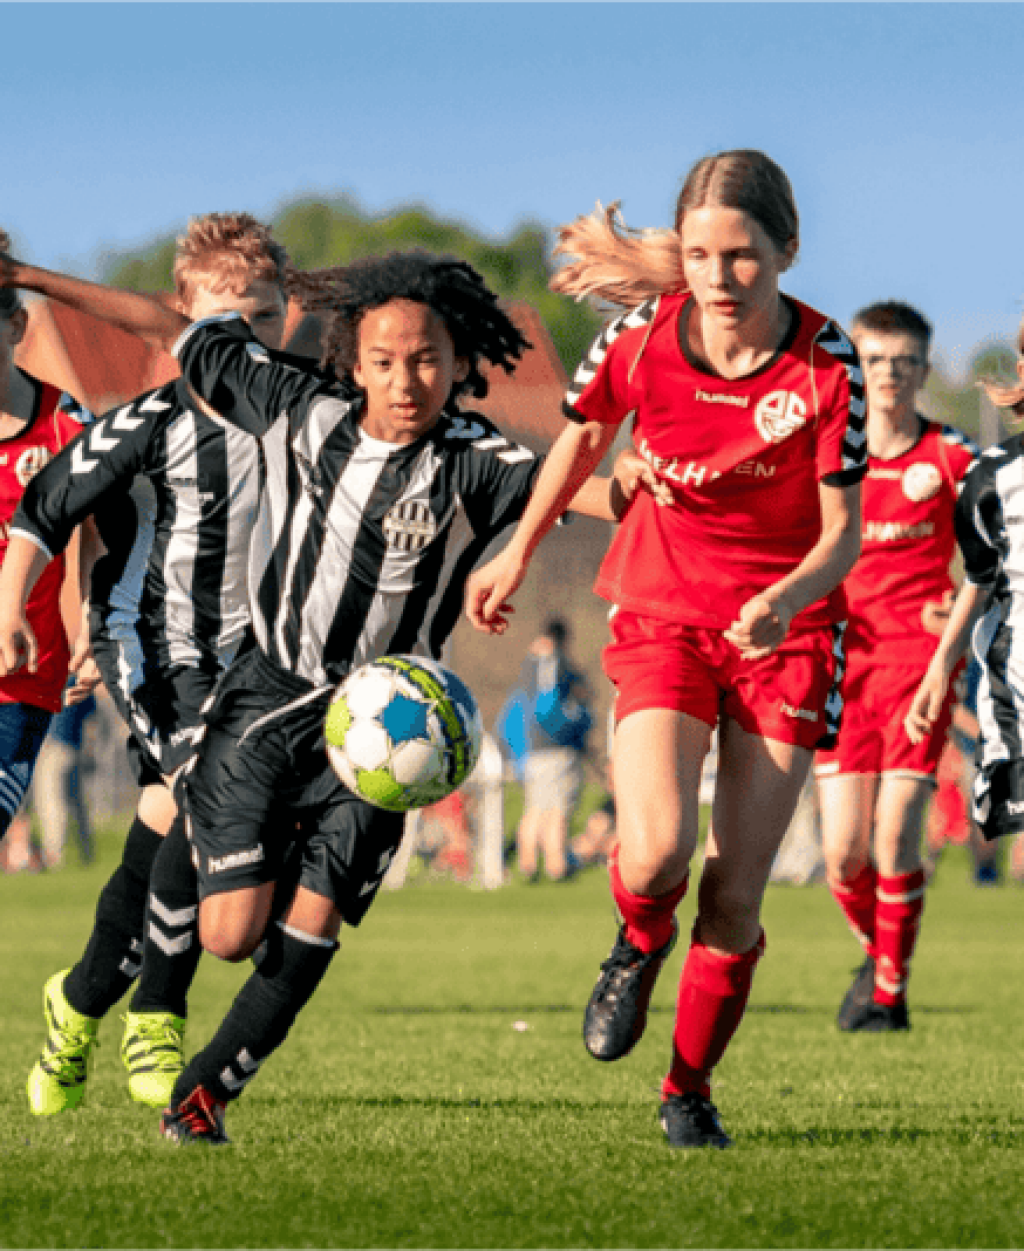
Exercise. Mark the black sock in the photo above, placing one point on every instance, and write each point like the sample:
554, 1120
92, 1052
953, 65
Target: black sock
261, 1016
112, 956
170, 946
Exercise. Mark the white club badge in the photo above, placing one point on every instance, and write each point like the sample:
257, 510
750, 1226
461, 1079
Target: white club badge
778, 415
30, 462
921, 481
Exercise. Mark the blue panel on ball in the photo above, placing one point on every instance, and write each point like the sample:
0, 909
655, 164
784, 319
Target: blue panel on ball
404, 718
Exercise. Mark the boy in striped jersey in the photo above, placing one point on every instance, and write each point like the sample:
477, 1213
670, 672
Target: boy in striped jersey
333, 587
174, 490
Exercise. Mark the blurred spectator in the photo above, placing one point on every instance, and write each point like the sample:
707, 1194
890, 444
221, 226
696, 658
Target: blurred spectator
544, 726
58, 786
56, 797
593, 845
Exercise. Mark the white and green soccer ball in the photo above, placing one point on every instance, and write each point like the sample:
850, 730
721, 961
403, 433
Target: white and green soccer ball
403, 732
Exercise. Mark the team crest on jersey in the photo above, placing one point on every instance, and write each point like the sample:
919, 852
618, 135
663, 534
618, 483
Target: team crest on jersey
921, 481
778, 415
409, 525
30, 462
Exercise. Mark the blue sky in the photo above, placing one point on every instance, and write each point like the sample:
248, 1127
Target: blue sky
901, 126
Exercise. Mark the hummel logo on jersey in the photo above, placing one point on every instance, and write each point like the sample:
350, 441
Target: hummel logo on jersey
721, 397
1014, 807
778, 415
97, 442
235, 860
804, 714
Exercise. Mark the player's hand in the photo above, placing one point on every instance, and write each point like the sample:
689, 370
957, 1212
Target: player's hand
631, 474
87, 678
760, 627
936, 613
18, 646
926, 706
489, 589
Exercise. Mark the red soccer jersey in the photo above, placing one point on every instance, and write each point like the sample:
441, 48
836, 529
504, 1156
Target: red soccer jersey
743, 456
55, 422
909, 542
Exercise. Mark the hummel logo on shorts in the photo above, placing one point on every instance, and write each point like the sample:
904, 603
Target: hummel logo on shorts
805, 714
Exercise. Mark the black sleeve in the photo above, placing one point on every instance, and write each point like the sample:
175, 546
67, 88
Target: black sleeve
497, 475
980, 528
246, 383
104, 457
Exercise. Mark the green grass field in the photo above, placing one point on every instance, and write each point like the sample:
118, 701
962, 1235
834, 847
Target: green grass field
407, 1110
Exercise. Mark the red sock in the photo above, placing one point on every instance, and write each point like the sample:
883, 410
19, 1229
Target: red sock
648, 918
713, 993
898, 916
857, 898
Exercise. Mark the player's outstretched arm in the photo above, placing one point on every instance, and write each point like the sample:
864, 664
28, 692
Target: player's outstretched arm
926, 705
142, 315
575, 454
23, 566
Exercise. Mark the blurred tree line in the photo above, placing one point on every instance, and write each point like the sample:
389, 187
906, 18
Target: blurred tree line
319, 233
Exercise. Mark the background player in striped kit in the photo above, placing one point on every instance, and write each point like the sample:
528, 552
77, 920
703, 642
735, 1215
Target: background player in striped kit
988, 611
748, 407
874, 784
335, 580
174, 490
36, 421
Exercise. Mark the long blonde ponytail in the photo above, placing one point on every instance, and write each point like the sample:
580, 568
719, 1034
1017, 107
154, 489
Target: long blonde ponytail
614, 263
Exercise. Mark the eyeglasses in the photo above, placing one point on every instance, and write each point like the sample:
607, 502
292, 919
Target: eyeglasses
898, 364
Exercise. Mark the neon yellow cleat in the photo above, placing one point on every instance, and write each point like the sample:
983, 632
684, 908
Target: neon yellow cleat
57, 1082
153, 1051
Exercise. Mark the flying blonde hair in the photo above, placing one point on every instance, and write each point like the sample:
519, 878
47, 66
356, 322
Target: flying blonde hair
615, 263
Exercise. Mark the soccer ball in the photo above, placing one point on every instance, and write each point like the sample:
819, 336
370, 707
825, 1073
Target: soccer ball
403, 732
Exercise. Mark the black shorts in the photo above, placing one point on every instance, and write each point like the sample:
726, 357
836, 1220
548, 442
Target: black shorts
162, 708
999, 799
261, 787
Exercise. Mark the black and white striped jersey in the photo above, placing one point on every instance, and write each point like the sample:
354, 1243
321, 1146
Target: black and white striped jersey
362, 548
990, 521
174, 494
990, 531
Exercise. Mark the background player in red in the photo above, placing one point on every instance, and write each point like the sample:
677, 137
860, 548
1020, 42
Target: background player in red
748, 407
875, 784
36, 421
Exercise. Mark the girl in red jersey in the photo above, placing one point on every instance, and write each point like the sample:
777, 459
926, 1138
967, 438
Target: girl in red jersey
36, 421
875, 784
748, 408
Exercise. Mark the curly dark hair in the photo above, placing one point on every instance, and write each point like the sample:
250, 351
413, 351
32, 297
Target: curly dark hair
480, 329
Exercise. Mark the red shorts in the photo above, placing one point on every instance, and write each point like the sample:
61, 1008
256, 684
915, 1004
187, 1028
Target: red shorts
872, 740
791, 696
